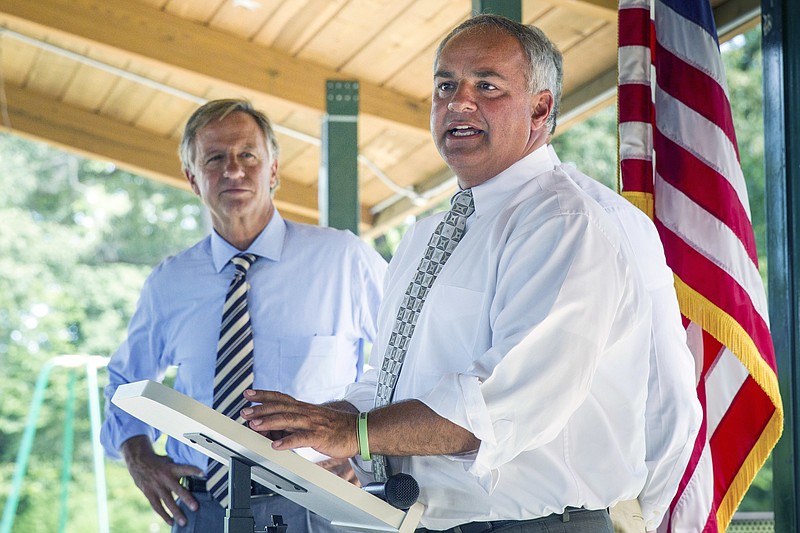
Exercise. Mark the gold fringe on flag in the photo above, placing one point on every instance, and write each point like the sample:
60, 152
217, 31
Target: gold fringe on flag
731, 334
744, 477
643, 200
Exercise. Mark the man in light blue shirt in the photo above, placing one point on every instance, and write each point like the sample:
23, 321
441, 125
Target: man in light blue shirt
313, 298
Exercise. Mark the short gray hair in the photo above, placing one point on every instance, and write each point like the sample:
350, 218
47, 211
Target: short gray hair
544, 58
218, 110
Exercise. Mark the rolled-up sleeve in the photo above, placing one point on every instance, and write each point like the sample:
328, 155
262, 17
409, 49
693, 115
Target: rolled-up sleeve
362, 393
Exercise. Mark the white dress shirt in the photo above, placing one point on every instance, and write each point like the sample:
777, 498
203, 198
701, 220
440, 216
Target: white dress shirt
313, 301
673, 412
531, 338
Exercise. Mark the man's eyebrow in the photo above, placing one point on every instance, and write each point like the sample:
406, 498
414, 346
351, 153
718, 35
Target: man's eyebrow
477, 74
488, 74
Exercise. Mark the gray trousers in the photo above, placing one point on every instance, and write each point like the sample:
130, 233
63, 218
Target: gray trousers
574, 521
578, 522
210, 517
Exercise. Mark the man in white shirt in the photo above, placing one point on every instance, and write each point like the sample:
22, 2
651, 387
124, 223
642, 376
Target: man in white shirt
520, 403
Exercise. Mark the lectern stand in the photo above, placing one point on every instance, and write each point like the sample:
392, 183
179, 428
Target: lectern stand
285, 472
239, 514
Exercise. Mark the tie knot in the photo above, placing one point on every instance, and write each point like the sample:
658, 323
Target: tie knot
243, 262
463, 204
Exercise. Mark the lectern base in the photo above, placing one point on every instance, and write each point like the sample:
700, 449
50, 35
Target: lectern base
239, 515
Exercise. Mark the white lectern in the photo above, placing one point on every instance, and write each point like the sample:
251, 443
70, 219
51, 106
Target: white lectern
285, 472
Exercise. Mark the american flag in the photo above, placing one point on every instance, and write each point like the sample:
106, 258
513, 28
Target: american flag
679, 163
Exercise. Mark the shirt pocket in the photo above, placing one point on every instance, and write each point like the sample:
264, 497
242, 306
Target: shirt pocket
455, 317
316, 369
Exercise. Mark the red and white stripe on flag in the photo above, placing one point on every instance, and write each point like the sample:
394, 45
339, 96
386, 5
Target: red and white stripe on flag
679, 163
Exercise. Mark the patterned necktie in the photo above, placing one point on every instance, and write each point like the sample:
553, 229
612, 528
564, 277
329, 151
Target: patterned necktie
442, 243
234, 370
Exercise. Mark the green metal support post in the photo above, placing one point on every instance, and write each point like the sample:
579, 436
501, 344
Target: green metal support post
67, 453
511, 9
781, 57
100, 491
338, 177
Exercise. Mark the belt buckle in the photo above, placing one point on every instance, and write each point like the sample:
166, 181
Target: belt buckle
193, 483
474, 527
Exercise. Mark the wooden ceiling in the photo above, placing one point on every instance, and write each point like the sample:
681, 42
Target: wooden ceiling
117, 79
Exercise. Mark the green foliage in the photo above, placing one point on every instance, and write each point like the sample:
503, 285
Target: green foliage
591, 145
742, 60
77, 240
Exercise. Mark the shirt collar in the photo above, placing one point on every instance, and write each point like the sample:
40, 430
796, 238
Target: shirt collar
268, 244
553, 155
489, 195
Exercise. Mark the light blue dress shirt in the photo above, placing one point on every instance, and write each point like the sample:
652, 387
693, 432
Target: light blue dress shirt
313, 303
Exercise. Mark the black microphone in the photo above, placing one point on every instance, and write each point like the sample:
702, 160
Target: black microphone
400, 490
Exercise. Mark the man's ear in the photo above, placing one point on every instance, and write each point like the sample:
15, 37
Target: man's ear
541, 105
273, 175
192, 180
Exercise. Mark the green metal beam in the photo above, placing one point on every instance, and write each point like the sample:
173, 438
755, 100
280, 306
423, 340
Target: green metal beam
338, 177
67, 452
511, 9
100, 491
781, 63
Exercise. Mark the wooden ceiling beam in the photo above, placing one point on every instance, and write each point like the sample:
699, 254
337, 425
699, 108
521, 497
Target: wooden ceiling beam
92, 135
89, 134
608, 5
602, 9
223, 59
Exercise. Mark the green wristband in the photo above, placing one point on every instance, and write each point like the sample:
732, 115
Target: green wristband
363, 439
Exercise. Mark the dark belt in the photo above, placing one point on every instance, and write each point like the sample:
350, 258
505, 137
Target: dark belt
471, 527
198, 484
485, 527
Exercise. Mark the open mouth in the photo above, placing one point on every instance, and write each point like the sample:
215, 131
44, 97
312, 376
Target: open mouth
464, 131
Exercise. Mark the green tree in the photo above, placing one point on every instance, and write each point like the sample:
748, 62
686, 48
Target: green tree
591, 145
77, 240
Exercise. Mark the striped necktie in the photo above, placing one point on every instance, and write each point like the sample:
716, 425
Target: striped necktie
442, 243
234, 369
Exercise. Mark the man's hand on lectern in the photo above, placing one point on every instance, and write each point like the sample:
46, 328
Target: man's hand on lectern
295, 424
